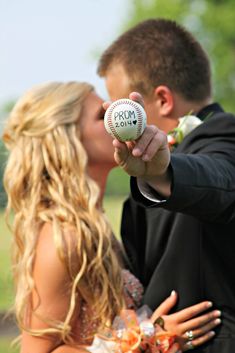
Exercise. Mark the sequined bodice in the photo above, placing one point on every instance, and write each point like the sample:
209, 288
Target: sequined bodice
133, 293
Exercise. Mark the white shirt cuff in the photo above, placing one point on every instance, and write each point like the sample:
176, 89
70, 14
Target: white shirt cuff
148, 192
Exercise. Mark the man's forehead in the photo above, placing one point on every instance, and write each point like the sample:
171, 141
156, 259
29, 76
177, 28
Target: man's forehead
117, 82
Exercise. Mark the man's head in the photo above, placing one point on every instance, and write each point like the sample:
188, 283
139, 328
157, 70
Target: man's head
162, 61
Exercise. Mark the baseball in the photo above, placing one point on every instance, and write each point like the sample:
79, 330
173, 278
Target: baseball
125, 120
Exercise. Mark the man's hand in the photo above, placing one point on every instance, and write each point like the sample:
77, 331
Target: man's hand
148, 157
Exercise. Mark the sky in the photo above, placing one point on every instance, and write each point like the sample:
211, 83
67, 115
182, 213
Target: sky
58, 40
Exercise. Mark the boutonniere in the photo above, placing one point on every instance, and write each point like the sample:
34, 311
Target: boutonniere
186, 124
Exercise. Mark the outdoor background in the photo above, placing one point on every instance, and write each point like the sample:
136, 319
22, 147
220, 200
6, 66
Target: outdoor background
62, 40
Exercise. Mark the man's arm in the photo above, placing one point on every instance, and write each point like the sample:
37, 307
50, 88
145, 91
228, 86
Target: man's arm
200, 183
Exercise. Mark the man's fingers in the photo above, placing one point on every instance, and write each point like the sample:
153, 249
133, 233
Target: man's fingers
118, 144
121, 152
135, 96
158, 142
151, 141
106, 105
165, 306
145, 139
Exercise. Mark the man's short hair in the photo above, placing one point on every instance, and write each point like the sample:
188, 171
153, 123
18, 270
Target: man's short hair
161, 52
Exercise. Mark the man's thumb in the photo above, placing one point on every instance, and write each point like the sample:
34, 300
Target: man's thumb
121, 152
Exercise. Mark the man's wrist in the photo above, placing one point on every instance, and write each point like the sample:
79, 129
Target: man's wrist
161, 183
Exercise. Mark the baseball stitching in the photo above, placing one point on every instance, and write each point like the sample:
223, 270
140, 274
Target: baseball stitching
139, 116
110, 125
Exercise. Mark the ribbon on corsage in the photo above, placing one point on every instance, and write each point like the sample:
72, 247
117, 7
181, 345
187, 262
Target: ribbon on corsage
133, 332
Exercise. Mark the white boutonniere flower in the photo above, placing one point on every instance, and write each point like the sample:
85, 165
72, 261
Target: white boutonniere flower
186, 124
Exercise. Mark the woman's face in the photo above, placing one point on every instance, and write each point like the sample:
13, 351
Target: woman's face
96, 141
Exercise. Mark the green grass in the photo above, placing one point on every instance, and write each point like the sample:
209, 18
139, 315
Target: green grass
5, 346
6, 296
113, 209
6, 292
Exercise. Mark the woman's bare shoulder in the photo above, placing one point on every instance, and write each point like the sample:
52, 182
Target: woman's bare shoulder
54, 254
49, 266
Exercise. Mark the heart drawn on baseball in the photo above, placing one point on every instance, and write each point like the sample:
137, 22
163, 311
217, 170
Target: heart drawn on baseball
125, 120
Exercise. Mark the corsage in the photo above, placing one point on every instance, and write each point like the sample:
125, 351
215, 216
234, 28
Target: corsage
133, 332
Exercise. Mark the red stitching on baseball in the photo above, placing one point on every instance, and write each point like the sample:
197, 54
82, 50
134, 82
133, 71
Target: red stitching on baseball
139, 116
112, 128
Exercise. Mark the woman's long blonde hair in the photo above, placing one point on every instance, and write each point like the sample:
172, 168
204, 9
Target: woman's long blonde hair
46, 181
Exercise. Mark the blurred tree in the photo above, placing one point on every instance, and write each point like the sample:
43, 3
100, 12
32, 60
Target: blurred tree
7, 106
212, 23
3, 155
4, 110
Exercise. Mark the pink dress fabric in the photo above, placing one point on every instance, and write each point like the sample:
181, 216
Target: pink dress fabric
133, 293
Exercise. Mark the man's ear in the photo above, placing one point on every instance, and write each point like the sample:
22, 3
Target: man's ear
165, 101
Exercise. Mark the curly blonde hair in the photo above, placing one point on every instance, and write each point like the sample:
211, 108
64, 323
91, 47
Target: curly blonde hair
46, 181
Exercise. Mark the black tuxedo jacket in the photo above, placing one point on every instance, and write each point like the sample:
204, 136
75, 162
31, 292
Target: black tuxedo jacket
188, 242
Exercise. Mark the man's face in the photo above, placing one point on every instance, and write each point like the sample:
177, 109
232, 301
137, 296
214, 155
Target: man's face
118, 86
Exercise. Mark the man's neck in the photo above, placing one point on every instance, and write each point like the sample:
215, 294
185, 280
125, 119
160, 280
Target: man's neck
183, 107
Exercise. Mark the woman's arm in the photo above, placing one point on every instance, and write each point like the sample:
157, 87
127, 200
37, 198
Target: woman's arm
50, 298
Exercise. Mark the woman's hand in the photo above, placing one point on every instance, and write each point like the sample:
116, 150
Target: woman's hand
191, 328
175, 349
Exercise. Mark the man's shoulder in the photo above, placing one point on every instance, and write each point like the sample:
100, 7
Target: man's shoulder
214, 115
216, 129
221, 115
218, 124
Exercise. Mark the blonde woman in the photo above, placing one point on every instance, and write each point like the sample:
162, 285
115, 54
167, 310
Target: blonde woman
69, 276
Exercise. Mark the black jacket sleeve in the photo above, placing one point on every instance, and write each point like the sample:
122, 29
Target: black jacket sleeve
203, 170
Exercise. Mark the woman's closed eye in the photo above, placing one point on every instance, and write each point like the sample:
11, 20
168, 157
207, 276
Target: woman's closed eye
101, 113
